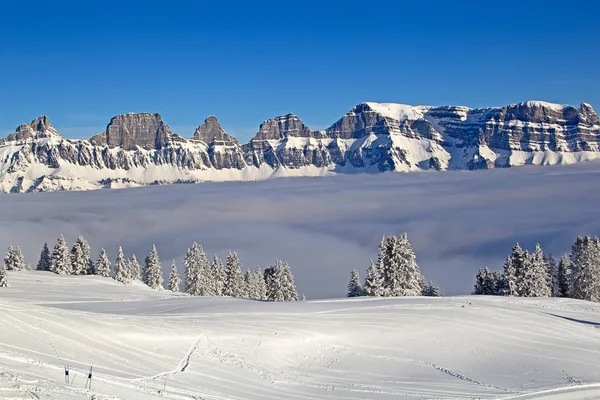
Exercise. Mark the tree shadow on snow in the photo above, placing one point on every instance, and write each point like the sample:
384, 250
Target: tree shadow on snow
581, 321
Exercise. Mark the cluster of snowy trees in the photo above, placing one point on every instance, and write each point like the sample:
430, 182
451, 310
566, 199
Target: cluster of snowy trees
533, 274
201, 278
396, 272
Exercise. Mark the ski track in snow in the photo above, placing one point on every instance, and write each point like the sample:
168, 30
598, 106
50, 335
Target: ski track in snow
145, 344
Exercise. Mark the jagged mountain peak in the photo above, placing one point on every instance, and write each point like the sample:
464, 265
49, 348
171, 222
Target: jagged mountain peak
283, 126
132, 130
211, 130
39, 128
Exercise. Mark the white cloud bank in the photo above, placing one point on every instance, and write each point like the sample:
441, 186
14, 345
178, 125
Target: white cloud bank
457, 221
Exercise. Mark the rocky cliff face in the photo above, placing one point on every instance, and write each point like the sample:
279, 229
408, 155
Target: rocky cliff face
139, 149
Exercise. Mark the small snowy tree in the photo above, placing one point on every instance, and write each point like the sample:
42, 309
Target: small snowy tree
355, 288
61, 259
486, 282
153, 270
564, 270
280, 282
585, 259
80, 257
533, 275
135, 270
234, 277
120, 268
373, 283
44, 262
401, 274
247, 284
103, 264
3, 277
258, 289
174, 278
553, 276
14, 260
431, 290
218, 275
198, 275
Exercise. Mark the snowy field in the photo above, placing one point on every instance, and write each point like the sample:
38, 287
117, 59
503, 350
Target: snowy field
457, 221
145, 344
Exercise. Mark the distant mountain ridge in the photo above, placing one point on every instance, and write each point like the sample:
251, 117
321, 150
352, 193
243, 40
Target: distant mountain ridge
140, 149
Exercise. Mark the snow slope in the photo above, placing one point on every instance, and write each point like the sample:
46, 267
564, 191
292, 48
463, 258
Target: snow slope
145, 344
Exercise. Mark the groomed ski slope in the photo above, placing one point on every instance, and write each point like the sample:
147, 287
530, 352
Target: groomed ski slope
145, 344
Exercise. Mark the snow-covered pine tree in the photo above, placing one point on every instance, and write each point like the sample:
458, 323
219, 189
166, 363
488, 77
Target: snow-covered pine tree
153, 270
14, 259
198, 276
553, 276
273, 284
431, 290
532, 276
564, 270
60, 259
234, 277
3, 277
258, 287
44, 262
135, 270
512, 269
355, 288
174, 278
247, 284
120, 267
485, 283
291, 293
403, 277
217, 271
585, 259
373, 283
80, 257
103, 264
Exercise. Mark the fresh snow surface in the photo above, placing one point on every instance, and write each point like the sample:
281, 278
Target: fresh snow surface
145, 344
399, 112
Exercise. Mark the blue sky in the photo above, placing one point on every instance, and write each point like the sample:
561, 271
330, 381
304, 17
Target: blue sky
83, 63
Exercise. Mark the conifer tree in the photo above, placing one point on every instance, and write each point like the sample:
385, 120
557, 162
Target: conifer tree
247, 285
80, 257
553, 276
402, 276
564, 270
174, 278
273, 284
291, 293
198, 276
120, 268
512, 269
153, 270
44, 262
103, 264
135, 270
373, 283
218, 276
355, 288
258, 287
14, 259
534, 275
234, 277
3, 277
585, 259
431, 290
60, 261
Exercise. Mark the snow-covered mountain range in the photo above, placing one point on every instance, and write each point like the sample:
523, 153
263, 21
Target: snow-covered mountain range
140, 149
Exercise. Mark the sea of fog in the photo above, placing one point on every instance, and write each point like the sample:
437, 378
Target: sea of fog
457, 221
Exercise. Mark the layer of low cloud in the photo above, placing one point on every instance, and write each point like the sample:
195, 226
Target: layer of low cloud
324, 227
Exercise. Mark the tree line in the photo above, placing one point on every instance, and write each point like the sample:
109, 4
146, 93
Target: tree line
395, 273
526, 274
202, 278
